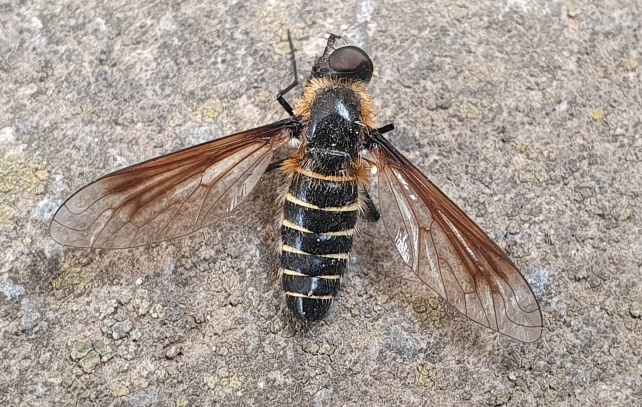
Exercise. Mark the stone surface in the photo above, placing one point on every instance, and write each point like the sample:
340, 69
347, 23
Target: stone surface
527, 114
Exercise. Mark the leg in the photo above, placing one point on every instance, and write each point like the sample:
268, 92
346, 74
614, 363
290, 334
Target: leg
329, 48
388, 127
374, 135
371, 213
274, 165
279, 96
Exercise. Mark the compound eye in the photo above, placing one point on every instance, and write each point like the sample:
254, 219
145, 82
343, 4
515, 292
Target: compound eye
350, 59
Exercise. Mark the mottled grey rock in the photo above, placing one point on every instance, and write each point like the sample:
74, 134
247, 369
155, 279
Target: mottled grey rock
173, 351
31, 315
9, 288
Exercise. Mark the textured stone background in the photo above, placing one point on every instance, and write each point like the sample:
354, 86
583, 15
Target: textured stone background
528, 114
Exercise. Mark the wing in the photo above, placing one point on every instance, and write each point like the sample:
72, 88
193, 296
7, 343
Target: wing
169, 196
449, 252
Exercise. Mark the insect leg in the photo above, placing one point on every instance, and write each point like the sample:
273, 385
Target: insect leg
332, 39
279, 96
388, 127
274, 165
374, 135
370, 213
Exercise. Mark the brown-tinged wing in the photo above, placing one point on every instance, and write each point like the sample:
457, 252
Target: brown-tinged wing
449, 252
169, 196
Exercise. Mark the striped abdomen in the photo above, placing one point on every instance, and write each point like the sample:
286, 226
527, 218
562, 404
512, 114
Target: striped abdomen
319, 217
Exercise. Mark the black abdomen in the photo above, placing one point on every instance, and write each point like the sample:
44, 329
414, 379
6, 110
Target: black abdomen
319, 217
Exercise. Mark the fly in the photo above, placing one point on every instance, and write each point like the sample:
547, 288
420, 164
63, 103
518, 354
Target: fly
341, 159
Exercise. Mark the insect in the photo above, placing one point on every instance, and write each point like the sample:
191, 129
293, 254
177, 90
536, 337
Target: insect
340, 156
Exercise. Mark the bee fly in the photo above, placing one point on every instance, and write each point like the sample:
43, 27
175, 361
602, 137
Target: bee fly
340, 153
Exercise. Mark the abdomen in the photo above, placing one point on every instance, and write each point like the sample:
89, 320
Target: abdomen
319, 218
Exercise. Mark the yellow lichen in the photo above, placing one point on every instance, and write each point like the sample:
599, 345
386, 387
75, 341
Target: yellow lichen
426, 377
597, 114
572, 13
6, 215
74, 275
122, 392
625, 214
429, 310
17, 176
630, 63
282, 48
212, 109
223, 383
265, 96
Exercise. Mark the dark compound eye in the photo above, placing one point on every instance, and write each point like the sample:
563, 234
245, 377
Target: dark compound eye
347, 62
349, 59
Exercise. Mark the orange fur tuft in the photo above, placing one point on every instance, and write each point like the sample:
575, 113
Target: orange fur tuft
362, 173
290, 165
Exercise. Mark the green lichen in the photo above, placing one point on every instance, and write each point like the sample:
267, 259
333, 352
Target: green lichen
89, 354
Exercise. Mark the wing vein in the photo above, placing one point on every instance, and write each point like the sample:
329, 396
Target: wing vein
218, 179
475, 275
156, 200
269, 152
